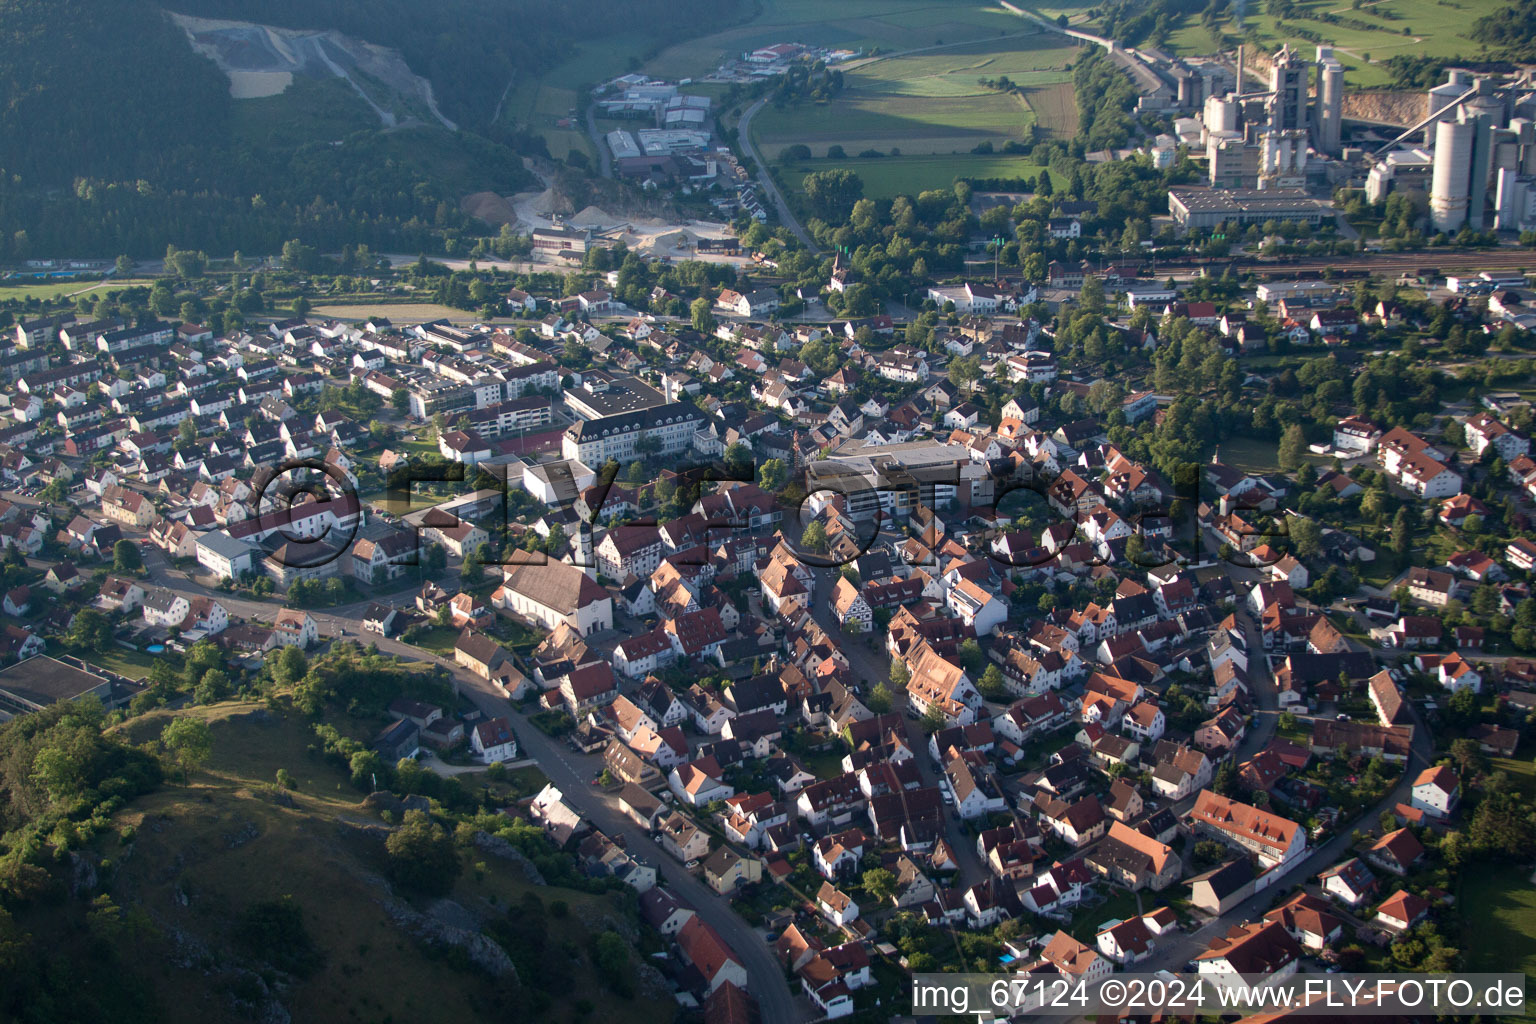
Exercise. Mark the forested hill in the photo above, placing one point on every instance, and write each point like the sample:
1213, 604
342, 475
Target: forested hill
116, 136
470, 49
102, 88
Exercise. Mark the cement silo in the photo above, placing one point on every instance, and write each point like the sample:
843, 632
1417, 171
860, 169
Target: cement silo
1488, 103
1220, 114
1450, 186
1525, 134
1456, 84
1330, 102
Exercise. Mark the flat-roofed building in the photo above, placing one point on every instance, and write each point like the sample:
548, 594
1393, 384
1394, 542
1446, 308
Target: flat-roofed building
1207, 208
40, 681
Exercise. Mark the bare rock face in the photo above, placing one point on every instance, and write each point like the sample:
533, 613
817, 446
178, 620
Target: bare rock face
651, 982
82, 878
1386, 106
250, 994
499, 847
482, 951
235, 840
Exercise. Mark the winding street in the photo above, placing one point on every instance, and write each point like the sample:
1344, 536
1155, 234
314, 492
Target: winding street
571, 772
765, 179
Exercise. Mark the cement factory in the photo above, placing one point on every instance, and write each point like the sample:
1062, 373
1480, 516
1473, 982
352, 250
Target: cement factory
1274, 137
1479, 144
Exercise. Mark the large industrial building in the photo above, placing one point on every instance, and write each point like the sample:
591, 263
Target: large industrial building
1199, 208
1479, 164
1261, 139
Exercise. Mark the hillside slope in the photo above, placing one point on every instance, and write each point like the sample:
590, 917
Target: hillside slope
116, 135
231, 899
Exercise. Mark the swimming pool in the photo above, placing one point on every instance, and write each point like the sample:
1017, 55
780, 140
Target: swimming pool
155, 649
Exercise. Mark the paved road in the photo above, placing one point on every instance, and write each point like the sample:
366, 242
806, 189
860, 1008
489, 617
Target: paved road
870, 668
1186, 946
786, 216
568, 770
572, 773
604, 158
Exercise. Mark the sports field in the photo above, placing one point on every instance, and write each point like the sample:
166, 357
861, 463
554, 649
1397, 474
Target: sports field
1361, 37
925, 103
68, 289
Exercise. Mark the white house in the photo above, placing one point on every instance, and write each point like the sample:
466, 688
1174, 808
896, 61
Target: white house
698, 783
294, 628
492, 741
1355, 436
223, 555
165, 608
1436, 791
835, 905
1457, 674
1262, 948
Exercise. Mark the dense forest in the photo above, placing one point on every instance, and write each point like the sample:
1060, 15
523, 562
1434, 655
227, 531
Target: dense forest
116, 136
1105, 98
471, 49
1510, 31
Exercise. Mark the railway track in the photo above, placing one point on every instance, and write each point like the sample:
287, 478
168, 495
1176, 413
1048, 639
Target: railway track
1441, 260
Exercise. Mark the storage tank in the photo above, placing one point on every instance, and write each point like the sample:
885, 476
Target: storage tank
1269, 153
1506, 151
1525, 136
1507, 200
1451, 181
1330, 105
1486, 103
1456, 83
1220, 114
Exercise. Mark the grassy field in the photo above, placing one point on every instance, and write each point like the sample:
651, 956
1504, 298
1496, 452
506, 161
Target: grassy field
909, 175
1055, 108
398, 311
437, 639
131, 664
924, 103
1498, 906
1120, 906
1433, 28
854, 24
418, 501
1249, 455
69, 289
1519, 769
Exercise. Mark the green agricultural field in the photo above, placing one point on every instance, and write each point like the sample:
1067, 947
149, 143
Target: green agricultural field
910, 175
1498, 907
856, 24
1434, 28
924, 103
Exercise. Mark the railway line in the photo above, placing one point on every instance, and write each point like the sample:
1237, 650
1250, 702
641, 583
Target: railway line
1442, 261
